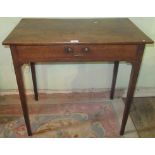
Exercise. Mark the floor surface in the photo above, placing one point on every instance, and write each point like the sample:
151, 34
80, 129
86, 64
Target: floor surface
143, 116
140, 124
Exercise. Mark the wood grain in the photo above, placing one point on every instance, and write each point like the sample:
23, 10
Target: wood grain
58, 53
57, 31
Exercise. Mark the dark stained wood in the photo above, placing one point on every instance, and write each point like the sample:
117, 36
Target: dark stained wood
20, 83
60, 31
95, 53
115, 71
75, 40
33, 71
132, 84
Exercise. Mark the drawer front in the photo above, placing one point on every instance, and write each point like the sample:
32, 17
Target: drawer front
75, 52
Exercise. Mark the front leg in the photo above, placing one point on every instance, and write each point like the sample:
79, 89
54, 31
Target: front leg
132, 84
20, 83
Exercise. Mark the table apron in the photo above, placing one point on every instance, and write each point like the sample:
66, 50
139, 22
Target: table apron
76, 53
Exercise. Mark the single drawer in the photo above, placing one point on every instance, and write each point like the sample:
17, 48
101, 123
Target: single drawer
77, 52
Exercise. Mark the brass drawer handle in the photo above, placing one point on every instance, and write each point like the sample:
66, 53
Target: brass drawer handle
85, 50
68, 50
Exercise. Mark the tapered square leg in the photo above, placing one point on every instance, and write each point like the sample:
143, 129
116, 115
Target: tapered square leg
115, 72
34, 80
20, 83
132, 84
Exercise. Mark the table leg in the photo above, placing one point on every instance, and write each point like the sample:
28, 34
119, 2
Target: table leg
20, 83
34, 80
132, 84
115, 71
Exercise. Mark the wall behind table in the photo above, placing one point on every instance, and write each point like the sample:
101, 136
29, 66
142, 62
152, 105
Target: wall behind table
77, 76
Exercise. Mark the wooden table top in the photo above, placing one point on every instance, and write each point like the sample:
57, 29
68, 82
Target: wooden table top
35, 31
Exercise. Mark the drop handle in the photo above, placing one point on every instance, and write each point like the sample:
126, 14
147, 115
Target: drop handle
85, 50
68, 50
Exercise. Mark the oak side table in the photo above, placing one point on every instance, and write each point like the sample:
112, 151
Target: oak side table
76, 40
